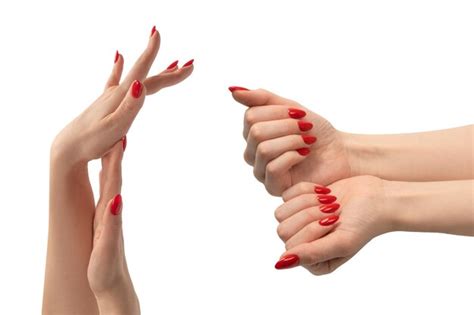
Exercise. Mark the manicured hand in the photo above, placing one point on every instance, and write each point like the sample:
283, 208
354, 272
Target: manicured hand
109, 118
287, 143
323, 227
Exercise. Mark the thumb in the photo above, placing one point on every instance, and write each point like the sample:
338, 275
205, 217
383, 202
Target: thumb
258, 97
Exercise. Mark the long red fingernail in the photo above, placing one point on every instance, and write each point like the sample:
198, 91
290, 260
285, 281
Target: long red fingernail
287, 262
237, 88
124, 143
296, 113
136, 89
305, 125
309, 139
326, 199
115, 207
329, 220
172, 65
153, 31
333, 207
321, 190
187, 64
303, 151
117, 55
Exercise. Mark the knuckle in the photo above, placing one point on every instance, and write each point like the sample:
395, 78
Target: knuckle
282, 232
250, 117
263, 150
279, 215
258, 175
256, 133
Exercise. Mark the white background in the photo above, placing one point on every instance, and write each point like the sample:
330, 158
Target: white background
200, 233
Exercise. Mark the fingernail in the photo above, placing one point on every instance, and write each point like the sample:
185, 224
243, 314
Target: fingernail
321, 190
174, 64
329, 220
309, 139
187, 64
326, 199
305, 125
124, 143
153, 31
136, 89
333, 207
115, 207
287, 262
303, 151
237, 88
296, 113
117, 55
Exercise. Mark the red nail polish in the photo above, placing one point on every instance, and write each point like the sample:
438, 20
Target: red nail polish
329, 220
287, 262
305, 125
237, 88
333, 207
172, 65
303, 151
326, 199
117, 55
124, 143
296, 113
309, 139
187, 64
136, 89
321, 190
153, 31
115, 206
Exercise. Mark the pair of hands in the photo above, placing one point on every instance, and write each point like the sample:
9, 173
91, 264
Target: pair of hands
291, 148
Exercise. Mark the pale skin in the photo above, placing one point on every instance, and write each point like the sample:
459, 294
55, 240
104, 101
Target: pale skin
72, 210
408, 198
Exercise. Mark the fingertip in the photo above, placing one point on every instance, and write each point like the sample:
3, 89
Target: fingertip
287, 261
116, 205
137, 88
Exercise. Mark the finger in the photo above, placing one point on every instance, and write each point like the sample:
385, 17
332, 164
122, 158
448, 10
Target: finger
143, 64
271, 149
277, 175
167, 78
308, 254
110, 239
295, 205
114, 78
257, 114
267, 130
304, 188
121, 119
313, 231
258, 97
328, 266
291, 226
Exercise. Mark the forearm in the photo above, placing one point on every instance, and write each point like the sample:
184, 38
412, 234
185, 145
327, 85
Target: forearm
427, 156
122, 300
71, 211
445, 207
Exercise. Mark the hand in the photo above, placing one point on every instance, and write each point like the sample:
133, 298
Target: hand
107, 272
287, 143
108, 119
321, 232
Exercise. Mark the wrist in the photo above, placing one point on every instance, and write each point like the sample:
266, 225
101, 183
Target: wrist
122, 299
363, 155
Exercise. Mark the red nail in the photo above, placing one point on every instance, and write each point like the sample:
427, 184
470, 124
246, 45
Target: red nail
174, 64
309, 139
333, 207
321, 190
115, 206
303, 151
326, 199
287, 262
187, 64
237, 88
117, 55
124, 143
329, 220
296, 113
153, 31
136, 89
305, 125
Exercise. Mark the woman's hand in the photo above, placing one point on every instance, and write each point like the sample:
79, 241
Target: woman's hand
322, 231
287, 143
108, 119
107, 272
